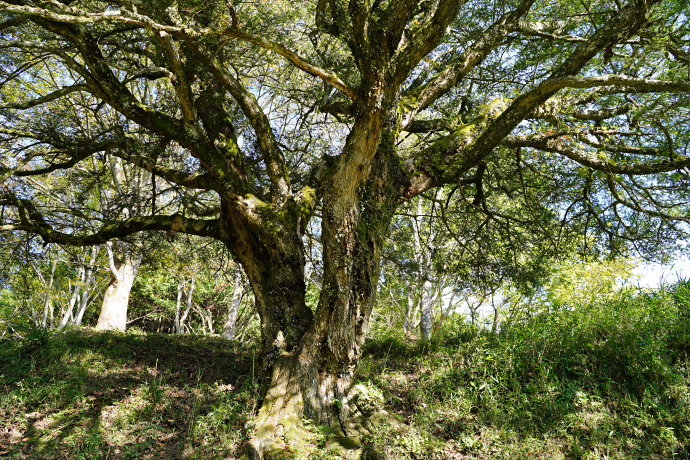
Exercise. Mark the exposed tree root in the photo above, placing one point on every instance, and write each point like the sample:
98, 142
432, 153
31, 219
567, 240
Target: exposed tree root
299, 441
281, 432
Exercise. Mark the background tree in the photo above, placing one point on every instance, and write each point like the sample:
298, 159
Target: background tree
582, 104
48, 286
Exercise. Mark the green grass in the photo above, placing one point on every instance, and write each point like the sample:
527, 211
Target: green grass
89, 395
600, 381
603, 381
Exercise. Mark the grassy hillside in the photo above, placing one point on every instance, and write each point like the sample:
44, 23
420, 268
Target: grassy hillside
602, 381
599, 381
94, 395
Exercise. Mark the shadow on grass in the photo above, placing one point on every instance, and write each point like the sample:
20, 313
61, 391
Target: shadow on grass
95, 395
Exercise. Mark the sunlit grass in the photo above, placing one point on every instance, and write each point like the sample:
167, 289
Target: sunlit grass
598, 381
88, 395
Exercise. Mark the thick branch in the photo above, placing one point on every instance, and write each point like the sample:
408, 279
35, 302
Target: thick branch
423, 96
544, 30
30, 220
77, 154
75, 16
445, 160
326, 75
47, 98
104, 84
555, 145
645, 84
191, 180
624, 24
276, 165
427, 126
424, 40
182, 88
439, 163
555, 108
336, 24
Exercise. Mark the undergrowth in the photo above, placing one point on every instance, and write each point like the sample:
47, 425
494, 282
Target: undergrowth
596, 381
109, 395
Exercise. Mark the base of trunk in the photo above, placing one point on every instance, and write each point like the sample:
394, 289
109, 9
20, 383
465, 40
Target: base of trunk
281, 430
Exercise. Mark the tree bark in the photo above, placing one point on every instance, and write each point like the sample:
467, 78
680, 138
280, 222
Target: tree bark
183, 291
43, 321
123, 269
73, 300
48, 304
83, 303
237, 295
89, 281
314, 378
425, 322
269, 247
411, 309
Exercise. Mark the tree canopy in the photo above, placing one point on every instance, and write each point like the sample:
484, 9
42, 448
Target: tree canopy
543, 120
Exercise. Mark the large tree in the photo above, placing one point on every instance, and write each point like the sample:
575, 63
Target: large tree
576, 112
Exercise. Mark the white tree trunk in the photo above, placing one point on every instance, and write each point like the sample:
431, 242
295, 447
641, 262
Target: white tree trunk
422, 257
182, 290
47, 317
116, 299
237, 296
126, 184
178, 304
83, 303
89, 280
73, 300
426, 301
206, 319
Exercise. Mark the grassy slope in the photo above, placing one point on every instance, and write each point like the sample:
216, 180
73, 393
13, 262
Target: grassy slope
602, 381
89, 395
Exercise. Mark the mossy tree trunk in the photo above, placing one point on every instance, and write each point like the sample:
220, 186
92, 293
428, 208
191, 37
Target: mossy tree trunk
308, 359
312, 375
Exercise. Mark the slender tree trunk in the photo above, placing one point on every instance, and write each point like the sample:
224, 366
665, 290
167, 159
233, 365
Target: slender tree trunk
73, 300
46, 318
83, 303
178, 305
188, 293
88, 278
411, 309
494, 323
206, 317
233, 311
445, 312
422, 257
8, 321
426, 301
123, 270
